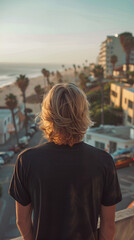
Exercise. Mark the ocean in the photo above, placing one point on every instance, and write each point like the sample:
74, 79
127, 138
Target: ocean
10, 71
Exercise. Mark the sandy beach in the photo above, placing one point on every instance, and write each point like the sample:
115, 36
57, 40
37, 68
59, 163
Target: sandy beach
67, 76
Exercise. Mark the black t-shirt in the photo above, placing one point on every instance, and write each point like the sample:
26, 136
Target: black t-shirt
66, 187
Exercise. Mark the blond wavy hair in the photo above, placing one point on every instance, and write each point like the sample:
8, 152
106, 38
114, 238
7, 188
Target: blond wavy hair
64, 118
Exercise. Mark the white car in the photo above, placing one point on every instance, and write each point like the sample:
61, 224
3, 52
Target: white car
30, 132
10, 153
1, 161
24, 140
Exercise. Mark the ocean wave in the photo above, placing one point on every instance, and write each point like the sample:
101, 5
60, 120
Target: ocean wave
9, 72
3, 77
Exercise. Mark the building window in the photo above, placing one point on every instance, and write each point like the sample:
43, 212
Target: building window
88, 137
125, 100
130, 104
129, 119
114, 93
100, 145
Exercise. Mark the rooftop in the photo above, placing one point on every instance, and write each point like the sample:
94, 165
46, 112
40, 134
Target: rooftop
122, 132
125, 85
130, 89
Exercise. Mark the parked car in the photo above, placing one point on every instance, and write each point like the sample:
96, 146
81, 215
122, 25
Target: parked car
1, 161
33, 126
123, 152
4, 156
123, 157
131, 204
15, 148
123, 162
30, 132
23, 142
10, 153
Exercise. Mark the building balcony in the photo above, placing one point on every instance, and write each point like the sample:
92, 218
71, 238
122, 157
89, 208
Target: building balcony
124, 221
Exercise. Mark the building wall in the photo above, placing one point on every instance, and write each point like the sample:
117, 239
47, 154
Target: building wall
111, 46
115, 95
131, 67
4, 135
128, 106
5, 119
104, 143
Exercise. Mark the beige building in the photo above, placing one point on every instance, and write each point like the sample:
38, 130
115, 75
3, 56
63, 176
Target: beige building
128, 105
131, 67
111, 46
116, 90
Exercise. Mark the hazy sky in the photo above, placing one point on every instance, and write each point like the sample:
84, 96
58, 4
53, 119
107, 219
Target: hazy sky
60, 31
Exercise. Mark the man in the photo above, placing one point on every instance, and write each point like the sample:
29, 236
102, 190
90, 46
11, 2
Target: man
65, 182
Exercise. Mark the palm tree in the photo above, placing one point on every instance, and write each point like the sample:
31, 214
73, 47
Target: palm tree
11, 103
22, 83
43, 71
86, 61
59, 77
127, 42
74, 66
83, 80
39, 91
113, 60
99, 73
46, 74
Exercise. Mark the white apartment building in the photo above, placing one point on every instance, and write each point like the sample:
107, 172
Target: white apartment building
6, 122
5, 119
111, 46
110, 138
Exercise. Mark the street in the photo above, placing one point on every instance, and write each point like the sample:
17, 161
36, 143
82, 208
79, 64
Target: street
8, 228
126, 180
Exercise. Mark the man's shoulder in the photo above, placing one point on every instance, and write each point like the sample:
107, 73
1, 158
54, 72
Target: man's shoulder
34, 151
99, 154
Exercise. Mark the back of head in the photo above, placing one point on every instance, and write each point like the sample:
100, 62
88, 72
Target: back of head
64, 118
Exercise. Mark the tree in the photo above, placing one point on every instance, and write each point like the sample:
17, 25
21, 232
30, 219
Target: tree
74, 66
46, 74
111, 116
113, 60
99, 73
127, 42
11, 103
86, 61
22, 83
59, 77
39, 92
83, 80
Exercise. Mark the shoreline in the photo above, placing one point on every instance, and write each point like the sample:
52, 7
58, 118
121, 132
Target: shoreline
67, 76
